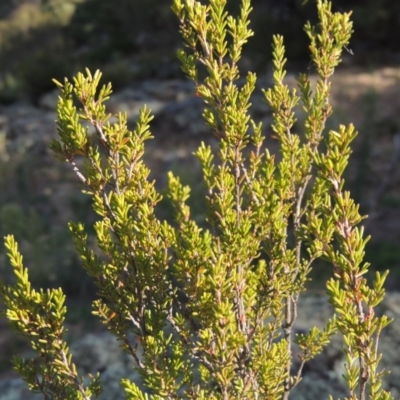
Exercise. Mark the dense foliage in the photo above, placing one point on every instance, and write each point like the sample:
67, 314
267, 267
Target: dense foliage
208, 312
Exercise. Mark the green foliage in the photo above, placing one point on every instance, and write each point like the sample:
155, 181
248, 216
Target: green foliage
40, 315
212, 307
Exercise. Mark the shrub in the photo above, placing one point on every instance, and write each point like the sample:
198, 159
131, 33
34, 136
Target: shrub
212, 308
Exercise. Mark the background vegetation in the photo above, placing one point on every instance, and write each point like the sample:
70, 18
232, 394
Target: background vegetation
42, 39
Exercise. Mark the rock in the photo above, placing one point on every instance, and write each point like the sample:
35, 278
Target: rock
3, 138
16, 389
49, 100
102, 353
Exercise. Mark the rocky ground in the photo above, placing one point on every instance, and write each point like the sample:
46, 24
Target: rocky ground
368, 98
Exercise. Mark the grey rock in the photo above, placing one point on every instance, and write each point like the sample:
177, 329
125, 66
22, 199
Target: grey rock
49, 100
16, 389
